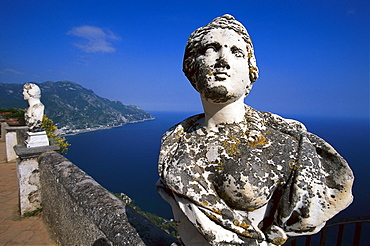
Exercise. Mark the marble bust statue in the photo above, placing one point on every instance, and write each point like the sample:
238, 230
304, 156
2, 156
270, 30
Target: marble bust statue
35, 111
238, 176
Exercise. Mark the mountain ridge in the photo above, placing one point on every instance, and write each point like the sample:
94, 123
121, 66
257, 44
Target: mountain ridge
74, 108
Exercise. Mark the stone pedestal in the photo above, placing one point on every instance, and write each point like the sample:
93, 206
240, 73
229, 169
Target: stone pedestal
11, 141
3, 124
36, 139
29, 185
12, 137
29, 176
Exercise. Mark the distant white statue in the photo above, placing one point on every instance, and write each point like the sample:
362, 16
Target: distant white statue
35, 111
36, 136
238, 176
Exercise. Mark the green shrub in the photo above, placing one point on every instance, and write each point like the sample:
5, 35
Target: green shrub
32, 213
16, 113
51, 131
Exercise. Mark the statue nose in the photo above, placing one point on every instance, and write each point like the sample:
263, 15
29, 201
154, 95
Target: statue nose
222, 63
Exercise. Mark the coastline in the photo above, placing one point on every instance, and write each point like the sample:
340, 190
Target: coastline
69, 132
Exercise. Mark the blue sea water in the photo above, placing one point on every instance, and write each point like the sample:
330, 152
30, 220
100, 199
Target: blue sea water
124, 159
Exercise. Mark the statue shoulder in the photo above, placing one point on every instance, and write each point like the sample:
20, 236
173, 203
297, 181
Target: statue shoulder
279, 123
172, 138
38, 107
180, 129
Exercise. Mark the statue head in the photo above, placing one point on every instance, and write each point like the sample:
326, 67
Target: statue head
31, 90
198, 43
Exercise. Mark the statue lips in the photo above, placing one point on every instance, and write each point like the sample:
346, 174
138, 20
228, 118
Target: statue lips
220, 76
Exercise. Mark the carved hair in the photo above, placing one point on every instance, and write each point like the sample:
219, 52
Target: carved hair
194, 45
32, 90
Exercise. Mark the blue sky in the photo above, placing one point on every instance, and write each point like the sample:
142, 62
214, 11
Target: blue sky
313, 55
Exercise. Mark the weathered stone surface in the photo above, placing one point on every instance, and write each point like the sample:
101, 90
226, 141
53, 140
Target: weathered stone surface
25, 153
252, 177
81, 212
29, 185
29, 175
238, 176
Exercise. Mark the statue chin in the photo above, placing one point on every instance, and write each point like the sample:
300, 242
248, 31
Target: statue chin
217, 94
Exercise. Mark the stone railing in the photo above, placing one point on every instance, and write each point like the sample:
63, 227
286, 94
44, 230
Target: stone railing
78, 210
81, 212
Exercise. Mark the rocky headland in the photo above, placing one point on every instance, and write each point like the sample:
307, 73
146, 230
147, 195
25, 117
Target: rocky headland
73, 108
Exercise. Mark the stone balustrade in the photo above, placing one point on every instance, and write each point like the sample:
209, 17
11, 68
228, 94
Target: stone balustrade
78, 210
81, 212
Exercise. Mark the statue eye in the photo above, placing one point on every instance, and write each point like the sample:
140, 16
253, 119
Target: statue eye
213, 47
210, 48
237, 52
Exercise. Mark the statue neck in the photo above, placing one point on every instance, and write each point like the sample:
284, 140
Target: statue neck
216, 114
32, 101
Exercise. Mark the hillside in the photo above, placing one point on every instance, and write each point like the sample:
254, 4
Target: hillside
73, 107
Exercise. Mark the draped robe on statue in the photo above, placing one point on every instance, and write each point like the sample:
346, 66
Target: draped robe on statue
256, 182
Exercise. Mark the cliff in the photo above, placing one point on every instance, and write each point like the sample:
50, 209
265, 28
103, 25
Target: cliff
74, 108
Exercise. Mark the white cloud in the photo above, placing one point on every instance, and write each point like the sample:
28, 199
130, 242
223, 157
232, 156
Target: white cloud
9, 70
94, 38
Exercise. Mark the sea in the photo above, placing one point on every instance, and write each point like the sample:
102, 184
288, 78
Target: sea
124, 159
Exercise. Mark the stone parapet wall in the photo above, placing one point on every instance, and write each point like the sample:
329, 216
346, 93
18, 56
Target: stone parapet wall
81, 212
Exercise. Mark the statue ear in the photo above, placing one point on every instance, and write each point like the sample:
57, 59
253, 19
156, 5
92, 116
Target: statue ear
253, 73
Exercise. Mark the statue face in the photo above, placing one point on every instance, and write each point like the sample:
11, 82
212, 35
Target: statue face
26, 96
222, 65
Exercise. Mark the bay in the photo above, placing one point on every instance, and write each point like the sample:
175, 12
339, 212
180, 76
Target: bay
124, 159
